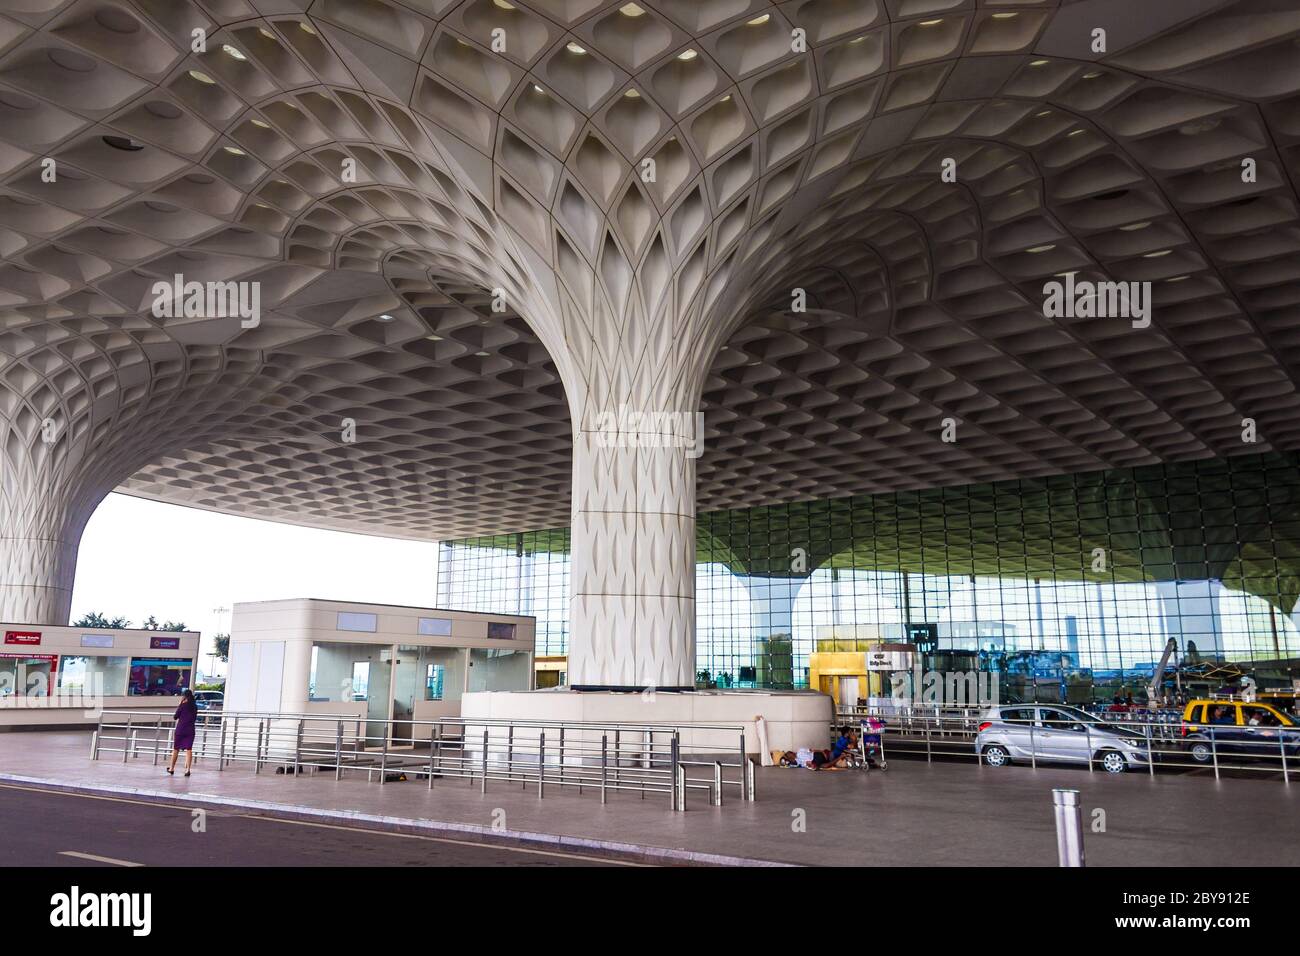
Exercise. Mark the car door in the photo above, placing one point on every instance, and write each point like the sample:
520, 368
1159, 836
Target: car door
1063, 737
1226, 730
1018, 729
1260, 731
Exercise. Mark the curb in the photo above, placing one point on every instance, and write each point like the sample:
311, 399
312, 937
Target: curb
630, 852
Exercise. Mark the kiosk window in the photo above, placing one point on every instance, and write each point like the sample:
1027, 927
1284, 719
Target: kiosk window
158, 677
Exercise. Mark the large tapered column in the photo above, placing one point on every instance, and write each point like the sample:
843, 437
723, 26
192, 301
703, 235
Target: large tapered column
632, 615
38, 549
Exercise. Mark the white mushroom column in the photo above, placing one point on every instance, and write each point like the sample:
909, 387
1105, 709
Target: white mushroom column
632, 616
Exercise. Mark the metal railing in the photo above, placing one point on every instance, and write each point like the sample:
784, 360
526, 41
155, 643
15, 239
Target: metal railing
603, 757
1147, 741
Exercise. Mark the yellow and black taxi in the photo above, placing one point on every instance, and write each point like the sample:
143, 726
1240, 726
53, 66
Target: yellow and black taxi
1249, 729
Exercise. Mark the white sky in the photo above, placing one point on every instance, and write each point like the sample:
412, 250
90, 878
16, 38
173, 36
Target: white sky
140, 557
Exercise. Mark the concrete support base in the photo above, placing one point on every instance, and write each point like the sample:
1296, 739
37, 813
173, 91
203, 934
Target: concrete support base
794, 718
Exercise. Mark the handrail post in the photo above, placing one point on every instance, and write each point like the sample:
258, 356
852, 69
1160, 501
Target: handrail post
743, 782
680, 787
383, 758
562, 760
750, 773
1214, 750
94, 737
541, 764
157, 729
1281, 742
617, 734
297, 747
338, 752
126, 741
1151, 759
604, 764
483, 787
928, 756
1033, 746
257, 751
717, 783
1069, 827
510, 756
221, 745
1088, 736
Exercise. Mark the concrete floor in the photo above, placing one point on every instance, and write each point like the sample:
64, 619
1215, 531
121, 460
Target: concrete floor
915, 814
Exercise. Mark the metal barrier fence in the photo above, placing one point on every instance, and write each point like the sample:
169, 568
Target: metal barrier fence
1136, 741
642, 758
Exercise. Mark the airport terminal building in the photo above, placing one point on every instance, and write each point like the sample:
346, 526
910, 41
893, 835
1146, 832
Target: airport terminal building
711, 334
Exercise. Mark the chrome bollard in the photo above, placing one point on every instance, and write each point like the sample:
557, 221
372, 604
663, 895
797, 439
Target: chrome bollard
1069, 827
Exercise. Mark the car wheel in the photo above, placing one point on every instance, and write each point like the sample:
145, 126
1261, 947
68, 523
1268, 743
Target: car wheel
1112, 761
1201, 752
995, 755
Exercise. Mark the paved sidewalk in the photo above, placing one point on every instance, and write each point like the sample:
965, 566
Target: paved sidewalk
916, 813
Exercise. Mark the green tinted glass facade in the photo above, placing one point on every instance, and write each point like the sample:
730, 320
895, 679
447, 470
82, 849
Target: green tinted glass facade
1077, 580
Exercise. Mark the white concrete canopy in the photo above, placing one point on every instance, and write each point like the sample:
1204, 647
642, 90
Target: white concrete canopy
614, 206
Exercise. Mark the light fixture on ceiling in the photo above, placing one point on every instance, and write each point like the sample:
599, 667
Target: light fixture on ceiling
574, 48
123, 143
630, 10
632, 94
434, 338
856, 40
232, 52
1134, 226
1044, 113
233, 150
1157, 255
759, 21
687, 55
931, 23
1177, 278
1075, 132
1039, 62
1091, 76
385, 317
261, 124
307, 28
201, 77
1005, 16
538, 89
1035, 250
481, 354
503, 4
266, 33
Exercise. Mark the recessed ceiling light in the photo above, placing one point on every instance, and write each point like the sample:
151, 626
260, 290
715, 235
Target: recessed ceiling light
266, 33
1075, 132
261, 124
307, 28
574, 48
856, 40
1039, 62
385, 318
1178, 278
1005, 16
631, 94
230, 51
687, 55
481, 354
434, 338
123, 143
759, 21
1157, 255
233, 150
725, 99
630, 10
1091, 76
1037, 249
931, 23
202, 77
1044, 113
1134, 226
503, 4
538, 88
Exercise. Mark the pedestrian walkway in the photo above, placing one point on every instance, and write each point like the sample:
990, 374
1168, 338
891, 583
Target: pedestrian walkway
916, 813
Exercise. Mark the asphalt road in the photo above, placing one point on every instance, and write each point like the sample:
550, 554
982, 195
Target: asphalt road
49, 828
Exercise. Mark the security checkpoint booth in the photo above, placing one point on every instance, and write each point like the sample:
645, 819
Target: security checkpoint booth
57, 676
389, 669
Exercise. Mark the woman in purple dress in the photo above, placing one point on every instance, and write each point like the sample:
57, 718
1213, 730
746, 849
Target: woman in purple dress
183, 735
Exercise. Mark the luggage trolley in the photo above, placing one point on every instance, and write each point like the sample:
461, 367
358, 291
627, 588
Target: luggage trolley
871, 744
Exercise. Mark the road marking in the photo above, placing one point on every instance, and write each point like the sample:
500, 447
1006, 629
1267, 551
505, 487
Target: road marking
433, 839
226, 812
98, 859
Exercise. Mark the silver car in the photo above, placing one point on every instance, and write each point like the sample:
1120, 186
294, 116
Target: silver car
1056, 733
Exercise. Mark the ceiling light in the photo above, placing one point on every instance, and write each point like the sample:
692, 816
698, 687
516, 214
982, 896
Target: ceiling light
687, 55
538, 88
233, 150
434, 338
759, 21
481, 354
261, 124
1091, 76
1005, 16
385, 318
856, 40
631, 94
1075, 132
1157, 255
230, 51
630, 10
266, 33
1037, 249
1178, 278
503, 4
1039, 62
574, 48
1044, 113
202, 77
307, 28
725, 99
931, 23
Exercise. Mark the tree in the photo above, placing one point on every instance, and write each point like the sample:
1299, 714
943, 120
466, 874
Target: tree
151, 624
97, 620
222, 642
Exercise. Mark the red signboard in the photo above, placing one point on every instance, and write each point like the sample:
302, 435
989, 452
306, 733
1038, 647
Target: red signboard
22, 637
